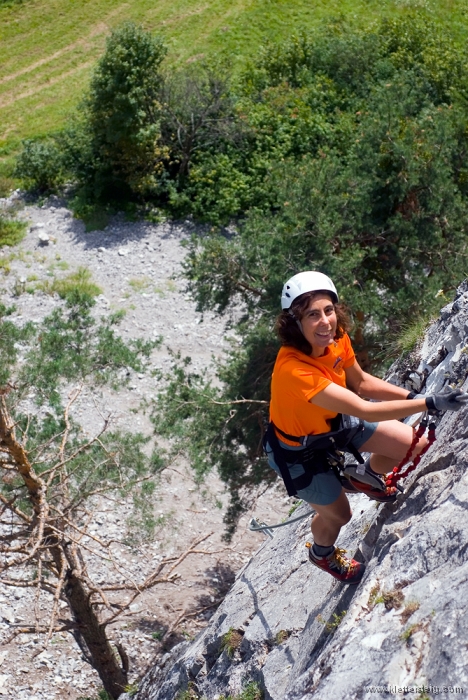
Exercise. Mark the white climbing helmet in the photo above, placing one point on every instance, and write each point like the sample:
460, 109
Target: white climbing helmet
309, 281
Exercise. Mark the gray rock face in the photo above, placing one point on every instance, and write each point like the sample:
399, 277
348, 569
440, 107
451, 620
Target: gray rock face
300, 634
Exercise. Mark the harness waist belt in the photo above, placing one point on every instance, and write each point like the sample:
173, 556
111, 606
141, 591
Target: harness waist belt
319, 453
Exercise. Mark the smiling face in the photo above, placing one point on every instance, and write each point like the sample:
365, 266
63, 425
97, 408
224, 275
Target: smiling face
319, 322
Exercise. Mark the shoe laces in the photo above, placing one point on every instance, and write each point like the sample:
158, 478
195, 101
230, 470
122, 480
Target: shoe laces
342, 561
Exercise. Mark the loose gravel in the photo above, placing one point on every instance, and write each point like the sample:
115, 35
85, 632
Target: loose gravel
138, 267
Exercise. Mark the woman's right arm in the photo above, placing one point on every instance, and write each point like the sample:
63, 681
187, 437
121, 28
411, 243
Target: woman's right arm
336, 398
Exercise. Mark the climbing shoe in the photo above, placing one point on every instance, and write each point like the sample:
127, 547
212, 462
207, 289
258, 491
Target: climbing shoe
347, 485
340, 567
388, 495
368, 477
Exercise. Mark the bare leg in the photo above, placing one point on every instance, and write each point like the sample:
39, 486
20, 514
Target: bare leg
326, 526
389, 444
328, 520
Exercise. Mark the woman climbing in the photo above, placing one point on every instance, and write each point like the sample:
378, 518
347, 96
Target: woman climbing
317, 407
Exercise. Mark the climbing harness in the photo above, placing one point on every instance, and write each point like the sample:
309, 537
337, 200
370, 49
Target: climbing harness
319, 453
397, 474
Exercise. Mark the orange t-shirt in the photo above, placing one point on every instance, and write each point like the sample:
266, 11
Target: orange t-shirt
297, 378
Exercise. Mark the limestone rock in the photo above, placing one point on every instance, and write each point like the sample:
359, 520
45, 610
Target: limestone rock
300, 634
44, 238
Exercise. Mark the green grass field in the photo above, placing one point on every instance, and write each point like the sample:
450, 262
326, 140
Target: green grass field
48, 47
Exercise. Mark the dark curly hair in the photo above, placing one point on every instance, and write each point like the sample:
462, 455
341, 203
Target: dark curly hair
288, 330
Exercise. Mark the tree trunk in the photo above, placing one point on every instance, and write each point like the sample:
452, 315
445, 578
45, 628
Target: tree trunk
102, 656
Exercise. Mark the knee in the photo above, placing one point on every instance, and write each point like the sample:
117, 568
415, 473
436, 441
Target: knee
348, 517
344, 518
422, 444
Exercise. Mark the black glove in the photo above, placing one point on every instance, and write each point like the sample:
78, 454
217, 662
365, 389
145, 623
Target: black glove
448, 400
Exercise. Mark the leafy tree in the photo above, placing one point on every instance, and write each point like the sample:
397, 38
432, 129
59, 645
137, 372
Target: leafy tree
53, 475
382, 209
111, 147
343, 150
197, 114
124, 112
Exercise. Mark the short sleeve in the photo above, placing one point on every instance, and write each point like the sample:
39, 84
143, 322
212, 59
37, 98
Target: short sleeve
350, 357
306, 382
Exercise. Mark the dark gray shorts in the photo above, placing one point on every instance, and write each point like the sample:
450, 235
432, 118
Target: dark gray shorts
324, 488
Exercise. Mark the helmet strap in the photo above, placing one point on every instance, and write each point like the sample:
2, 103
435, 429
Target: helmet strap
299, 325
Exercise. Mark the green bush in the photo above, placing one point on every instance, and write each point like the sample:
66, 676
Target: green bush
343, 150
196, 140
198, 114
40, 165
217, 190
77, 284
123, 115
7, 184
251, 691
95, 215
377, 200
231, 641
12, 231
